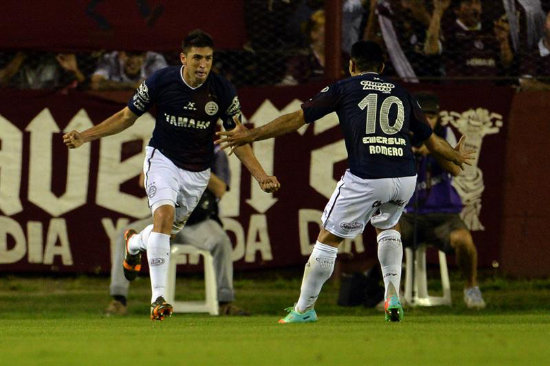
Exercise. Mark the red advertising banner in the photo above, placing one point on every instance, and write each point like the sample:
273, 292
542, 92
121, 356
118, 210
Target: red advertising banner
156, 25
59, 207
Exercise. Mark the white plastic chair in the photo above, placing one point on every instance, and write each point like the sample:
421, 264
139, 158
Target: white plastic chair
179, 255
416, 294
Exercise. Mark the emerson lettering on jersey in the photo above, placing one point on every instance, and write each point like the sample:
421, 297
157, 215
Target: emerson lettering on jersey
385, 150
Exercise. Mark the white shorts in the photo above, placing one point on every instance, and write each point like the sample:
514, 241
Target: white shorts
355, 201
166, 184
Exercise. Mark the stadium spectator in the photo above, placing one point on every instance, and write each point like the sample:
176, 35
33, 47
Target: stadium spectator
471, 48
526, 19
354, 14
189, 101
434, 209
125, 70
535, 66
309, 63
411, 35
203, 230
381, 176
42, 71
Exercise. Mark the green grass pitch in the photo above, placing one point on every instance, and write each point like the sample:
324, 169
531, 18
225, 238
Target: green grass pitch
59, 321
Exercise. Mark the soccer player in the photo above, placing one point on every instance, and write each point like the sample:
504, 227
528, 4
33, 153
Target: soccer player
203, 230
189, 101
377, 118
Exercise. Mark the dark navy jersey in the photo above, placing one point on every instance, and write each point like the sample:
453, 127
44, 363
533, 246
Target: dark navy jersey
377, 118
186, 117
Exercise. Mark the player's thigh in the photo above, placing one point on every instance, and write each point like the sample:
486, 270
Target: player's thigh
352, 204
395, 193
190, 189
161, 179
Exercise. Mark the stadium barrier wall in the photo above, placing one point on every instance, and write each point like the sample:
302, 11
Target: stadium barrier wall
59, 207
136, 25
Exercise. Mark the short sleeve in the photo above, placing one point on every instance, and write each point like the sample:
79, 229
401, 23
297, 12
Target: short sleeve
143, 97
325, 102
231, 106
419, 126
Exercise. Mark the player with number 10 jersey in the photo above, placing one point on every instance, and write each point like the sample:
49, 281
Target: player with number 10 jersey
377, 118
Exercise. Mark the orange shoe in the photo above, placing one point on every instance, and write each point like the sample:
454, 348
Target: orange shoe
132, 262
160, 309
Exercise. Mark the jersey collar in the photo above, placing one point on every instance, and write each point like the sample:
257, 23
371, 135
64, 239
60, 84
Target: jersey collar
185, 82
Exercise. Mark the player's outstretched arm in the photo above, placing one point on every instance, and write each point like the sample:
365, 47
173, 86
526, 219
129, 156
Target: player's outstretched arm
116, 123
279, 126
458, 155
268, 183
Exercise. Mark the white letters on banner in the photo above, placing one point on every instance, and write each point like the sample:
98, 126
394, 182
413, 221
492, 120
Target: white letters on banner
11, 162
57, 242
41, 160
40, 245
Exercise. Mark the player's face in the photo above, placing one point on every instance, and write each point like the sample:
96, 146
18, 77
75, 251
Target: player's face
198, 63
132, 63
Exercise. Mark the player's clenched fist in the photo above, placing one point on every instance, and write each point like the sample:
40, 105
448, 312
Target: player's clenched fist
270, 184
73, 139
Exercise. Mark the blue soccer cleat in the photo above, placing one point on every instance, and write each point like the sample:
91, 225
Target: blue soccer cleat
393, 310
294, 316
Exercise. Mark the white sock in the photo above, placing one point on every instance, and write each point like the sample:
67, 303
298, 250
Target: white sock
390, 255
138, 242
158, 255
318, 270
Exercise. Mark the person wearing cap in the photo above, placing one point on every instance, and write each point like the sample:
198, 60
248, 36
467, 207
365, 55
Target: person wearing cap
434, 209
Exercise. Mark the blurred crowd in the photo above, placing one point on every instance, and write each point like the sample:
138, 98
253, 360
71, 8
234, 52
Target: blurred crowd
505, 41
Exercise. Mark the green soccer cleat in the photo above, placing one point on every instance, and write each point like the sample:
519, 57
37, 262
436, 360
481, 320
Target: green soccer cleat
161, 309
132, 262
393, 311
293, 316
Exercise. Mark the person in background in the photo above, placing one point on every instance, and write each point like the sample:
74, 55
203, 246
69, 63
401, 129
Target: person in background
42, 71
471, 48
411, 34
434, 210
309, 63
535, 67
125, 70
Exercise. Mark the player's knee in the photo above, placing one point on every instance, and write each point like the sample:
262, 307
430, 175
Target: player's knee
164, 218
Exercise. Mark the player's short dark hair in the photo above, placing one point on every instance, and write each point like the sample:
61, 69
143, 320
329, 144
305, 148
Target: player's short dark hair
367, 55
429, 102
197, 38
